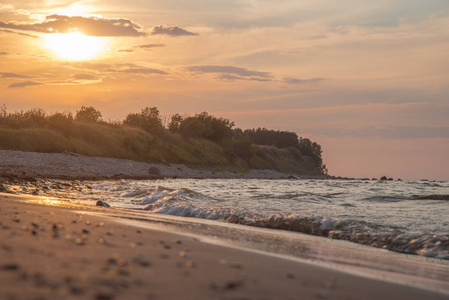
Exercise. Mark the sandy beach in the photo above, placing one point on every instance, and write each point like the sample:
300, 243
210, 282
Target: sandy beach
74, 252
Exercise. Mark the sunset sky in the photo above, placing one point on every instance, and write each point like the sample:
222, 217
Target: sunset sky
367, 80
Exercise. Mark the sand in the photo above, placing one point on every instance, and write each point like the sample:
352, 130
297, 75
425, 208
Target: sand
50, 252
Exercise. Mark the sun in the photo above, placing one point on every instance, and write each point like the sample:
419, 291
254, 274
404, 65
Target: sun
75, 45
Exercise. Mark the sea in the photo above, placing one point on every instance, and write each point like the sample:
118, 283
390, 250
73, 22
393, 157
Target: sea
403, 216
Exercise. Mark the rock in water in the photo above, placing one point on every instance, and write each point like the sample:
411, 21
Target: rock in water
154, 171
102, 203
383, 178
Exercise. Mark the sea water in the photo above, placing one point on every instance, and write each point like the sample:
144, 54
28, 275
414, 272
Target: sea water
403, 216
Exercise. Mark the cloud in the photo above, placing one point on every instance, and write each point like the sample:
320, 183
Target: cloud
292, 80
231, 72
19, 33
94, 26
150, 46
84, 77
226, 70
24, 84
171, 31
13, 75
141, 70
233, 77
145, 47
128, 68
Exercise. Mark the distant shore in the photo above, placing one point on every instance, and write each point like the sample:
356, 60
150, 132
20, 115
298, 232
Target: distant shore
74, 166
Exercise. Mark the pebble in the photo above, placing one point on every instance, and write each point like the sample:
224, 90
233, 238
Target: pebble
142, 260
236, 265
10, 267
323, 295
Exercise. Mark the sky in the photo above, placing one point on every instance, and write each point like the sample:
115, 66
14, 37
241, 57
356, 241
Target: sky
367, 80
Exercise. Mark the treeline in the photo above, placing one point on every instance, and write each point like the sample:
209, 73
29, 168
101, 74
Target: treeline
174, 139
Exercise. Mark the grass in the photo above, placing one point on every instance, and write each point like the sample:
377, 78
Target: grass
60, 133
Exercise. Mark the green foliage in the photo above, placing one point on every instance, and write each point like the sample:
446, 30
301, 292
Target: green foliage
88, 114
280, 139
202, 140
205, 126
148, 119
311, 149
175, 122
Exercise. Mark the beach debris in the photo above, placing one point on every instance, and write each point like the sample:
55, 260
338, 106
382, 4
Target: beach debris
142, 260
102, 204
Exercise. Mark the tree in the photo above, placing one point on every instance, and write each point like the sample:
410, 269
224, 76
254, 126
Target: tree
312, 149
148, 119
175, 122
211, 128
88, 114
192, 128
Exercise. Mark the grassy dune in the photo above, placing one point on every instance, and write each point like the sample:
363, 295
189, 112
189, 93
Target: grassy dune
57, 133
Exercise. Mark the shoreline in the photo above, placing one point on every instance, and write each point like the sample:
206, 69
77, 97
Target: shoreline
80, 253
71, 166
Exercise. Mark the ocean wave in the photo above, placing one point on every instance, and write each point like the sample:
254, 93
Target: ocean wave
385, 237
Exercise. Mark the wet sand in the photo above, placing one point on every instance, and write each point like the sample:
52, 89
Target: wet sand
49, 252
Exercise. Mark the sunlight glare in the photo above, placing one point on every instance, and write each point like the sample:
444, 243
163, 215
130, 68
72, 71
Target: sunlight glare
75, 45
73, 10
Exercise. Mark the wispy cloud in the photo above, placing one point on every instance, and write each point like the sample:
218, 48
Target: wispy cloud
19, 33
84, 77
94, 26
147, 47
150, 46
141, 71
127, 68
231, 72
171, 31
24, 84
13, 75
297, 81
